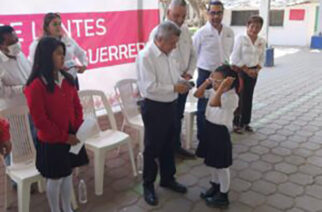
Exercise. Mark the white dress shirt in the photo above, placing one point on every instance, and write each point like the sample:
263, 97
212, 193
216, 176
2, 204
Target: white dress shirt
227, 37
156, 74
13, 76
73, 52
247, 53
223, 115
208, 47
185, 55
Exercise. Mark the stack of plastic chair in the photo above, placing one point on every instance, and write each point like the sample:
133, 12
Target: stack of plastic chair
22, 169
129, 96
105, 140
189, 116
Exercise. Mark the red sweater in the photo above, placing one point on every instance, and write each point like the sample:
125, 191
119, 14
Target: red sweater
4, 131
53, 113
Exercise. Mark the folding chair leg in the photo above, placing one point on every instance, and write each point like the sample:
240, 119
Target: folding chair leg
23, 196
132, 158
7, 193
123, 125
141, 140
99, 161
41, 185
189, 119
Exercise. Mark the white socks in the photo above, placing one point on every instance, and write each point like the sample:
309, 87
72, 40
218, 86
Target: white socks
60, 188
222, 177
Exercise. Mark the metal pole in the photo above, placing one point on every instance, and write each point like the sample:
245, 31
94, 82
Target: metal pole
264, 13
320, 19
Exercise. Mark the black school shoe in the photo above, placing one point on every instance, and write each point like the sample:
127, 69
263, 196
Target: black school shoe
219, 200
175, 186
214, 189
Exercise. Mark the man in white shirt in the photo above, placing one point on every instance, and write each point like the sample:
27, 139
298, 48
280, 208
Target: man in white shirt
185, 58
14, 67
14, 72
213, 44
159, 84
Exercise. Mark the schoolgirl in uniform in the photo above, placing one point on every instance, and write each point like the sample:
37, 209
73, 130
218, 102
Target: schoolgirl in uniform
57, 113
215, 146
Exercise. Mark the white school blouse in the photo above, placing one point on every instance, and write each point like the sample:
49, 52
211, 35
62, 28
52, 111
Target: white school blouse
223, 115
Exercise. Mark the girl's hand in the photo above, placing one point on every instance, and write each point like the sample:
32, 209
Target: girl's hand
258, 68
226, 84
5, 148
208, 81
72, 140
81, 69
253, 73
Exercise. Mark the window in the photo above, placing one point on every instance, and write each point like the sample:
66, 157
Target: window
240, 17
276, 18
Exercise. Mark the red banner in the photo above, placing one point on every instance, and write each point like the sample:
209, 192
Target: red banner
109, 38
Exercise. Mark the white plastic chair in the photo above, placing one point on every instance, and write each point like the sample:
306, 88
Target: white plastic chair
22, 169
128, 93
189, 115
106, 140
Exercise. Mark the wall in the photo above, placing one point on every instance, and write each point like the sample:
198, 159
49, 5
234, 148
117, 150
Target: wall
293, 33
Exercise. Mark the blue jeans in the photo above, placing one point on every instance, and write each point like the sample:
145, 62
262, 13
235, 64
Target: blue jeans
202, 102
181, 103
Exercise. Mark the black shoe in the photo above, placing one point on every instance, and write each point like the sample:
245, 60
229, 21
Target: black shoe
175, 186
149, 195
249, 129
220, 200
238, 130
184, 153
214, 189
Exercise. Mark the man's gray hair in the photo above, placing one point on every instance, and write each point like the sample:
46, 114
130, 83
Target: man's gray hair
175, 3
166, 29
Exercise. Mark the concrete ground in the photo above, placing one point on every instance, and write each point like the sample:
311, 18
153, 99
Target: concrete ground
277, 168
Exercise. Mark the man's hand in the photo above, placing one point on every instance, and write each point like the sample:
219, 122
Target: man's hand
186, 76
72, 140
5, 148
181, 88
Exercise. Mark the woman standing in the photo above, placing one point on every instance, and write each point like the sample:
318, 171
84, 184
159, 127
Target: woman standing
57, 114
248, 56
52, 27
